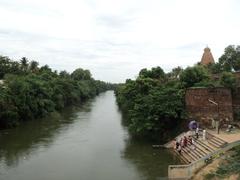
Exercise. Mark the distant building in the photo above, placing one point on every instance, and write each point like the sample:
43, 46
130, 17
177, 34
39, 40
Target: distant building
207, 57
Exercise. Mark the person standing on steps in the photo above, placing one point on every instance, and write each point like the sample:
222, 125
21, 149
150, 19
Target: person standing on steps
177, 144
204, 134
179, 149
197, 132
185, 141
182, 143
193, 144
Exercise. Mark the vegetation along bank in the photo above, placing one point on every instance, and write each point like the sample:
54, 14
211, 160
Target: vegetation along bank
28, 91
154, 102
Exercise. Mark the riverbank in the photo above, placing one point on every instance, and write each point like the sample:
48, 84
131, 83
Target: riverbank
226, 166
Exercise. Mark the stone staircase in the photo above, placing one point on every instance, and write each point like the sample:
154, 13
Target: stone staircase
202, 148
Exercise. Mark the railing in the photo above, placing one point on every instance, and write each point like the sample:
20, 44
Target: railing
187, 171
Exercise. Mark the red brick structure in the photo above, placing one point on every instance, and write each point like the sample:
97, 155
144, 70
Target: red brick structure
207, 57
200, 108
236, 103
197, 99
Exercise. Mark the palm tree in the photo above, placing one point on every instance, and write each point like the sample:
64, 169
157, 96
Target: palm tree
24, 64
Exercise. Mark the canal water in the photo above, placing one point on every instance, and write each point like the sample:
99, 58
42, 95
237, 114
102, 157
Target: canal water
87, 142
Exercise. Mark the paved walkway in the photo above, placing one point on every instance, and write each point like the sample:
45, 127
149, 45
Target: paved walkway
227, 136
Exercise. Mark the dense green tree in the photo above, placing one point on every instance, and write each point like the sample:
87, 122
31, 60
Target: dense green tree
193, 75
228, 80
5, 66
230, 60
81, 74
24, 64
175, 73
33, 66
153, 106
154, 102
155, 73
32, 92
215, 68
64, 74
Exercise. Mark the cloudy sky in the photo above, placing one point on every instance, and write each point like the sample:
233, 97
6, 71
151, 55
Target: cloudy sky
114, 39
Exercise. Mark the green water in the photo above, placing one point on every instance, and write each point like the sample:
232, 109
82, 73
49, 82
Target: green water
82, 143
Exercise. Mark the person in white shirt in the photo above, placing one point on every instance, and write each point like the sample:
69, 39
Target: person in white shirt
197, 131
204, 134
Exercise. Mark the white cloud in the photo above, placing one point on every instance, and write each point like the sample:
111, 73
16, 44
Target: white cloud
115, 39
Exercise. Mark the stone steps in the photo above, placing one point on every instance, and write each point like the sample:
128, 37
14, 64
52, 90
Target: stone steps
189, 154
202, 148
183, 158
210, 136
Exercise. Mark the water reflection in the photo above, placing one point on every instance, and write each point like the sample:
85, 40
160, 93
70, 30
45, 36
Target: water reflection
22, 142
151, 163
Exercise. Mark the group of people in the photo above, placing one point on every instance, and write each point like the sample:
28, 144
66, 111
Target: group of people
186, 140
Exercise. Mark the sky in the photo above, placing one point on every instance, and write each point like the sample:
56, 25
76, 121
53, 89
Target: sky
115, 39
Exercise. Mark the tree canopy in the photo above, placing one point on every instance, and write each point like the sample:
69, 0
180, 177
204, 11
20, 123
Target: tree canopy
155, 103
230, 60
32, 92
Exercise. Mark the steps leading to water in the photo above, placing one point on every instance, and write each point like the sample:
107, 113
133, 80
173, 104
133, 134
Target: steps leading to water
202, 148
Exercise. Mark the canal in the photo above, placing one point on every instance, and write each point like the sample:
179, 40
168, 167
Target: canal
87, 142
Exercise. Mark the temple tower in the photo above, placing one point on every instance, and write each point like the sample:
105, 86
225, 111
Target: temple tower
207, 57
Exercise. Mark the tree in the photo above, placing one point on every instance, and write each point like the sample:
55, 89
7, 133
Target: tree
193, 75
228, 80
153, 103
230, 60
24, 64
81, 74
154, 73
64, 74
215, 68
175, 73
40, 91
33, 67
5, 66
45, 68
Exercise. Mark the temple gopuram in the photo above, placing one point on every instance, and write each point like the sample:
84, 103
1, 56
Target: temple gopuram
216, 103
207, 57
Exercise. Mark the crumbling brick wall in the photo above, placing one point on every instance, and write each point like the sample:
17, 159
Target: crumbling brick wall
236, 103
198, 106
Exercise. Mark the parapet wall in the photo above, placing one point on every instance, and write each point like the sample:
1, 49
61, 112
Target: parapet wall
199, 107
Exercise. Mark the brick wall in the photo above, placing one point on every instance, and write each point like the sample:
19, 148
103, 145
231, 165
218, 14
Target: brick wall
199, 107
236, 103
